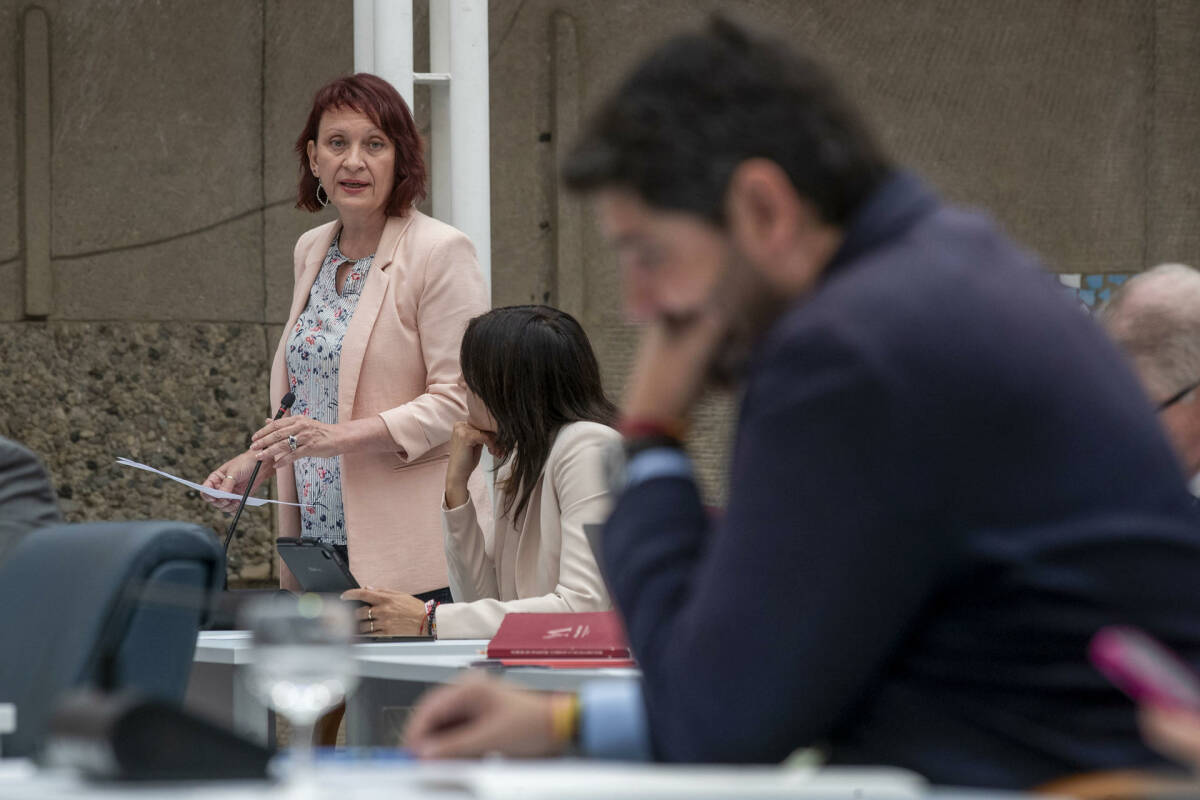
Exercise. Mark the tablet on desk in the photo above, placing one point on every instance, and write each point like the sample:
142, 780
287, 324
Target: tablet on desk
316, 566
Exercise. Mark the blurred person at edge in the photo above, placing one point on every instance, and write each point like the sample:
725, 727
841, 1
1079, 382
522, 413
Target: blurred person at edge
382, 297
538, 405
1155, 318
27, 498
945, 478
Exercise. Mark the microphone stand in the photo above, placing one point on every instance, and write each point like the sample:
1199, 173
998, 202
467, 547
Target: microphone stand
225, 605
284, 405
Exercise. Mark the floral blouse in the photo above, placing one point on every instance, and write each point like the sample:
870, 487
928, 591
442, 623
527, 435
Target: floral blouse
313, 359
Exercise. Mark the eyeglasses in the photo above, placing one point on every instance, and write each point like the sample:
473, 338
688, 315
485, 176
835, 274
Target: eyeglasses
1182, 393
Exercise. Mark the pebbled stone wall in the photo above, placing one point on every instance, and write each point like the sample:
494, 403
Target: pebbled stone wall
177, 396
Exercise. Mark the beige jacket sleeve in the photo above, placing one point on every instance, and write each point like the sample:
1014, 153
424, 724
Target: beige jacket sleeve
453, 292
575, 493
469, 559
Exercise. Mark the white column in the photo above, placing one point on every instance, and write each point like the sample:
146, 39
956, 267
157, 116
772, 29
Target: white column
460, 158
364, 35
393, 45
470, 156
439, 110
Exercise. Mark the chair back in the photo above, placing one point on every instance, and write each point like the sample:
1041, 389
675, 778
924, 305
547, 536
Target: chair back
113, 605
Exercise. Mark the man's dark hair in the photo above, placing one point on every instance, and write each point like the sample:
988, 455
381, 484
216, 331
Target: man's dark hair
534, 369
703, 103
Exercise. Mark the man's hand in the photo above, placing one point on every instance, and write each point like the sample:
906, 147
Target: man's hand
479, 716
1175, 734
672, 364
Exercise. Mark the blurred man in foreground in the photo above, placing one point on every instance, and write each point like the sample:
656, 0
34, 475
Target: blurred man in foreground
944, 481
1155, 317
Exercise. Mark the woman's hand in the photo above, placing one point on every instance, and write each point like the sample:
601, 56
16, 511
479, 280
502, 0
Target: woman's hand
313, 440
388, 613
318, 439
232, 477
466, 447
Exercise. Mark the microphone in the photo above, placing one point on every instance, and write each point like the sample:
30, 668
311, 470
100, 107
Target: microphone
284, 405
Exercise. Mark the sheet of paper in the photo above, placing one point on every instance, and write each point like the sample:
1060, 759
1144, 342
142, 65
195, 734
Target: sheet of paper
250, 501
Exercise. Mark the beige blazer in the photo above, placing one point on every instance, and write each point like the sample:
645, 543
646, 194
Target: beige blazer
545, 565
399, 361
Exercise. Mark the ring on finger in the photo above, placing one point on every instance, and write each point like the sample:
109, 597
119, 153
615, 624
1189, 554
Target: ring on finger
369, 610
292, 443
372, 626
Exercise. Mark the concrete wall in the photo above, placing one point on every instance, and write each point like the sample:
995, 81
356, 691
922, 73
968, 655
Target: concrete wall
172, 179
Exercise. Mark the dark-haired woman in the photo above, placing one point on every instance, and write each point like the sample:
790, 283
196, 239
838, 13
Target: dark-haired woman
547, 421
381, 299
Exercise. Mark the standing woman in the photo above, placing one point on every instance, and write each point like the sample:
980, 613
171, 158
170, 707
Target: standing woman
382, 297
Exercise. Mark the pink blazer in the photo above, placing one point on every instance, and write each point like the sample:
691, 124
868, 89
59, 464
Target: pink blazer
399, 361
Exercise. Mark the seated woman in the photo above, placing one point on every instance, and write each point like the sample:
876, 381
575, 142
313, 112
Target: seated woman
548, 423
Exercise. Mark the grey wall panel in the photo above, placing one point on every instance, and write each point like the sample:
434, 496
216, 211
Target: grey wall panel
1173, 218
1033, 110
214, 275
157, 119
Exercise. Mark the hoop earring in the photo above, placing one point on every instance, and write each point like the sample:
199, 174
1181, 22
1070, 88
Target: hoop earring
321, 191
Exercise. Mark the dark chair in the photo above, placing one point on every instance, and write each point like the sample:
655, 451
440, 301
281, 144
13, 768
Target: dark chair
113, 605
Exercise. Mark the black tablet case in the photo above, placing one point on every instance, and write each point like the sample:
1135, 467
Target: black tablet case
316, 565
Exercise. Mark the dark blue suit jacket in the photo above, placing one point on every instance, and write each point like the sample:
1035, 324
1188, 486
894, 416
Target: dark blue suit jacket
945, 480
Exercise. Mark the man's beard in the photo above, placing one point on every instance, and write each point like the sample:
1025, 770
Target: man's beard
757, 309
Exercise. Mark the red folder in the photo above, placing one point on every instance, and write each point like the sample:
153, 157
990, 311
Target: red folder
566, 663
590, 635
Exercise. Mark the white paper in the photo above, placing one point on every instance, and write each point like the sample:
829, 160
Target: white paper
250, 501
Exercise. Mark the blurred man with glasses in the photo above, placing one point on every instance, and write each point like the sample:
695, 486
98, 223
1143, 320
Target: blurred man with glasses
1155, 317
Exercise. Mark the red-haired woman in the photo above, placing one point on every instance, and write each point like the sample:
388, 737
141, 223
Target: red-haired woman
371, 346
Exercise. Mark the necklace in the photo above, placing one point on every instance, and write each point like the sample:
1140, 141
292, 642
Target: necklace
337, 247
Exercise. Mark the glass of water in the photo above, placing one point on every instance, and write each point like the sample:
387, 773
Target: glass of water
302, 663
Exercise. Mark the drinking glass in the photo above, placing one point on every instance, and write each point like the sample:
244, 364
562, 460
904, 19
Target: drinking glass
301, 663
